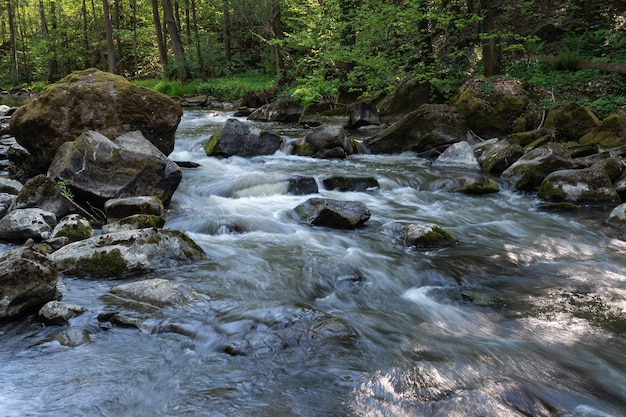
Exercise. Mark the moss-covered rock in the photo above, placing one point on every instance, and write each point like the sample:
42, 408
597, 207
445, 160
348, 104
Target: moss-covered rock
407, 98
427, 236
609, 134
126, 252
578, 186
496, 157
235, 138
572, 121
98, 101
491, 106
74, 227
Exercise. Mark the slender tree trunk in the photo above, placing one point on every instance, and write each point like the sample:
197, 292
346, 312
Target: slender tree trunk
196, 35
87, 53
100, 58
277, 30
50, 52
491, 53
227, 50
25, 56
159, 35
108, 28
15, 77
133, 6
179, 53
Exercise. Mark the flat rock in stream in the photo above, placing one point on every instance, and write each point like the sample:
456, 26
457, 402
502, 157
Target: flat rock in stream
127, 252
57, 312
157, 292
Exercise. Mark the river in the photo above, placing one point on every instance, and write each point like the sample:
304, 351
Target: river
526, 316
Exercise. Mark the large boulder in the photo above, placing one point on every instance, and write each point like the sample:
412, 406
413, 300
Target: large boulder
93, 100
362, 114
127, 252
529, 171
235, 138
430, 127
28, 279
98, 169
324, 138
497, 156
459, 155
578, 186
332, 213
491, 107
572, 121
610, 133
283, 110
406, 98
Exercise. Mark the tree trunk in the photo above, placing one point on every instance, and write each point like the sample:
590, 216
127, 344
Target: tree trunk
50, 52
13, 40
491, 52
25, 56
610, 67
227, 51
87, 52
196, 35
159, 35
179, 53
108, 28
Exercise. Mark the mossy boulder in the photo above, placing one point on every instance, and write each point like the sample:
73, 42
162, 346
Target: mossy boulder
491, 106
529, 171
617, 217
126, 252
156, 292
609, 134
426, 236
44, 193
432, 127
282, 110
93, 100
407, 98
74, 227
578, 186
471, 184
118, 208
572, 121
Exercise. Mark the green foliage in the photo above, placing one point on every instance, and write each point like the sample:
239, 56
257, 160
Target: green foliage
65, 189
606, 104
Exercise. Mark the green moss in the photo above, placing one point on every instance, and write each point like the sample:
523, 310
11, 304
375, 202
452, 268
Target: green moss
437, 237
76, 233
211, 146
102, 264
481, 187
562, 206
549, 192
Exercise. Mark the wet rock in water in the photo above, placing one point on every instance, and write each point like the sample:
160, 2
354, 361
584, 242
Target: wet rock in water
157, 292
532, 168
429, 128
342, 183
28, 279
309, 329
426, 236
336, 278
98, 169
617, 217
579, 186
460, 155
302, 185
74, 227
283, 110
59, 313
497, 157
127, 252
235, 138
98, 101
332, 213
472, 184
325, 142
44, 193
21, 224
71, 337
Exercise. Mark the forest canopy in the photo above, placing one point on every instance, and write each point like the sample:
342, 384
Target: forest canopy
359, 44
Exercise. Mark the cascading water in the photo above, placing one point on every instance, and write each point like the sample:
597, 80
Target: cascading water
526, 316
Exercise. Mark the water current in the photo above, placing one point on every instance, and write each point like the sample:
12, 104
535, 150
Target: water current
526, 316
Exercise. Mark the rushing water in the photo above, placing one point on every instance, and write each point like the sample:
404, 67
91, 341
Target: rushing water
526, 316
